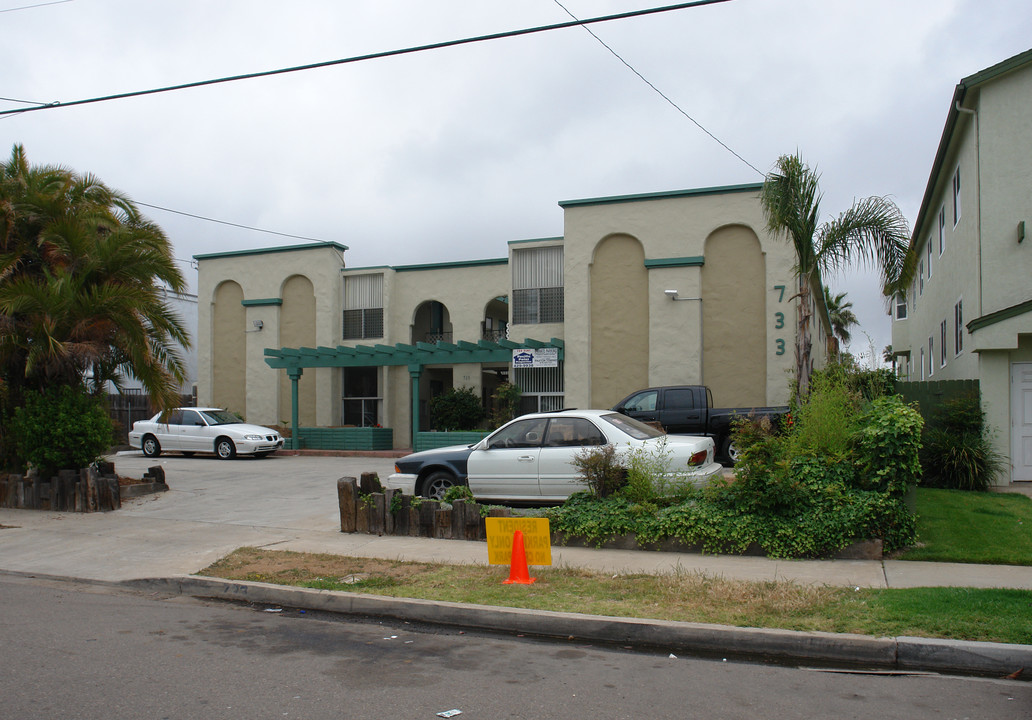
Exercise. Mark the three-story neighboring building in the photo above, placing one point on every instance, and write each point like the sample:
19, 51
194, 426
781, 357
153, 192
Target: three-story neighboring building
968, 313
681, 287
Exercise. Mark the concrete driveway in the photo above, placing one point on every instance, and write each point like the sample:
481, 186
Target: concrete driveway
280, 491
212, 507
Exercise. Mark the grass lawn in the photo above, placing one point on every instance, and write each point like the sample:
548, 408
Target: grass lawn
957, 613
953, 526
972, 527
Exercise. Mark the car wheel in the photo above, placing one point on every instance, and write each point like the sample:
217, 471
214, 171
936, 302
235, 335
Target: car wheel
151, 446
435, 486
729, 450
225, 448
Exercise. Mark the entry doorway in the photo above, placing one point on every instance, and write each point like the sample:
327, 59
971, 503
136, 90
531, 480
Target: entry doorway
1021, 422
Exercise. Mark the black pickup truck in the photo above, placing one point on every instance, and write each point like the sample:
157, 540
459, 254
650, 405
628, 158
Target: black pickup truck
688, 410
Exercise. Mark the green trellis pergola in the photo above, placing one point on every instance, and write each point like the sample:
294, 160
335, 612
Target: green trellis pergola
416, 357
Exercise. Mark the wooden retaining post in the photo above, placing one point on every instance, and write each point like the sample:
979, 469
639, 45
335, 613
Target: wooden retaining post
400, 516
370, 483
347, 499
442, 523
427, 513
466, 520
377, 513
473, 524
116, 493
458, 519
64, 498
388, 514
90, 491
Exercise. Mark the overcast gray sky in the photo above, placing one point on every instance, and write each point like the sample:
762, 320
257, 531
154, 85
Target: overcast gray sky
448, 154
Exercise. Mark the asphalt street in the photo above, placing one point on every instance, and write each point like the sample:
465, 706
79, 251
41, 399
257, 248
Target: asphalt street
88, 651
289, 502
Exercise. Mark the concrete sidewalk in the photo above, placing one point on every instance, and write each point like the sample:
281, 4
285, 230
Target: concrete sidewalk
289, 503
130, 544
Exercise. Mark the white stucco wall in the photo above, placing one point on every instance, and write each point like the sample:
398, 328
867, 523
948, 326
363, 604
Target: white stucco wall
673, 226
261, 274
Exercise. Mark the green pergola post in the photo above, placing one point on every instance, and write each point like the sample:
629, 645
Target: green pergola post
295, 436
415, 371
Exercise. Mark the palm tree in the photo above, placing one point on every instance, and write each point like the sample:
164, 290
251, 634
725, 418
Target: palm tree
81, 287
873, 230
841, 314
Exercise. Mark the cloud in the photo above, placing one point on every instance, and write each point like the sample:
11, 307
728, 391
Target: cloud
446, 155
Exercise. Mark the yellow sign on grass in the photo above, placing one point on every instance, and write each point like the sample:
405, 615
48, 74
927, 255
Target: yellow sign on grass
537, 542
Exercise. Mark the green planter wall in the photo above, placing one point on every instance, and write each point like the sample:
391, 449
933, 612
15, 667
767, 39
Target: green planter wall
346, 438
431, 440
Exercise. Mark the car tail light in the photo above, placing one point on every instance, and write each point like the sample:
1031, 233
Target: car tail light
698, 458
397, 469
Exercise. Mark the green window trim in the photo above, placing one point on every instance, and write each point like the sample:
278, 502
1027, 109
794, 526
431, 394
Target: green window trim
999, 316
322, 244
692, 261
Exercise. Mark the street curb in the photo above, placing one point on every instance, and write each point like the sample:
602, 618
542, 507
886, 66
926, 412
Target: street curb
838, 649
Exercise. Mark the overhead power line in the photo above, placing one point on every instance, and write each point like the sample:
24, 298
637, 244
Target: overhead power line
231, 224
374, 56
658, 91
29, 7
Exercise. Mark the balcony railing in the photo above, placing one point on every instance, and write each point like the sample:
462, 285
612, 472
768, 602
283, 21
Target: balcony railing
494, 335
435, 337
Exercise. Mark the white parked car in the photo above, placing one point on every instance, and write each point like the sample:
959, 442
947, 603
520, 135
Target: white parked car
529, 458
203, 430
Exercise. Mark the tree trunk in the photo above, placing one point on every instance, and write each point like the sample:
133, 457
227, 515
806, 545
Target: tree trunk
804, 364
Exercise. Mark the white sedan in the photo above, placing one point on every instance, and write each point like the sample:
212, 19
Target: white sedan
529, 458
204, 430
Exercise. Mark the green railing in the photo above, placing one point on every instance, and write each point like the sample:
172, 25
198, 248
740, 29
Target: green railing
431, 440
346, 438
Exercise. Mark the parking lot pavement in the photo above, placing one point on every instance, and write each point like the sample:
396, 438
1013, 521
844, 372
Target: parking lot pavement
280, 491
212, 507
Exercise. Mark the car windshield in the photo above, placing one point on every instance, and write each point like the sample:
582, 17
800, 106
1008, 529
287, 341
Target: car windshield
220, 417
635, 428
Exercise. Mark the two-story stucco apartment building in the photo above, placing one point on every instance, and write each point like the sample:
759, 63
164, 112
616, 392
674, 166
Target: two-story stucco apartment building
969, 311
671, 288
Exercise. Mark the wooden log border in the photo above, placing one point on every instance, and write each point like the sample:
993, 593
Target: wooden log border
93, 489
366, 507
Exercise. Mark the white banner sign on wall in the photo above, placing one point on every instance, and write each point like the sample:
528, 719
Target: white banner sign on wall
536, 358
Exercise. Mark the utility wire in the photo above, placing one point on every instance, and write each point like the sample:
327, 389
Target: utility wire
24, 102
224, 222
658, 91
376, 56
29, 7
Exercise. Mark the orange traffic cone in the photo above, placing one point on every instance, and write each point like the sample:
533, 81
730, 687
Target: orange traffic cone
518, 573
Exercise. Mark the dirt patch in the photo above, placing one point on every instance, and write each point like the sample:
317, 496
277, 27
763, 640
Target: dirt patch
280, 566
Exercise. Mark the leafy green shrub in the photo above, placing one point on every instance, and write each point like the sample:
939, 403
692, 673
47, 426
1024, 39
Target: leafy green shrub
458, 492
601, 469
457, 409
958, 452
649, 479
506, 399
825, 421
888, 445
835, 475
61, 428
866, 384
763, 483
